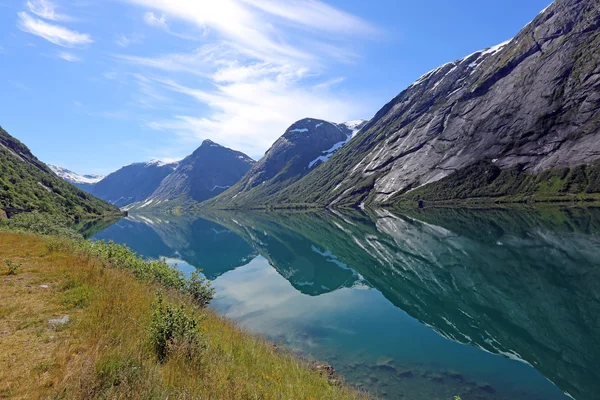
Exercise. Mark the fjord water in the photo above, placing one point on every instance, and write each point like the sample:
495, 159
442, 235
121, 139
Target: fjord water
423, 304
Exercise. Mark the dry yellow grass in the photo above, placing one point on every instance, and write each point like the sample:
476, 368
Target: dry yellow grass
104, 351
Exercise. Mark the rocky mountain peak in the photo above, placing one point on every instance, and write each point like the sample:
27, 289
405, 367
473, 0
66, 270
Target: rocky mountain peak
530, 103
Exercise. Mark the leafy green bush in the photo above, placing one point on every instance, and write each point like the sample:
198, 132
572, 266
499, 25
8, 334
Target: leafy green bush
12, 267
40, 223
199, 289
158, 271
172, 329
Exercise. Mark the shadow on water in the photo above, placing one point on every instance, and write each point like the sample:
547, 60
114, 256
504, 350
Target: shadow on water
410, 304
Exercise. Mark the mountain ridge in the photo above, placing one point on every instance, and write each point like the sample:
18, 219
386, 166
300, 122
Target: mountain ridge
304, 146
27, 184
530, 103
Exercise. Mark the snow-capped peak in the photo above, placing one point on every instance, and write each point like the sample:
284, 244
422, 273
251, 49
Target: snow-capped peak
161, 163
73, 177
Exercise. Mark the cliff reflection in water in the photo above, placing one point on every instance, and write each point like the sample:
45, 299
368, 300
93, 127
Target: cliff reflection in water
522, 284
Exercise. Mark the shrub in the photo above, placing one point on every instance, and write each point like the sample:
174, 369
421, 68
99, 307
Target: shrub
171, 329
42, 224
12, 267
200, 290
158, 271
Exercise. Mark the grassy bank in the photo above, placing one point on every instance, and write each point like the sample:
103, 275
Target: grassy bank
123, 340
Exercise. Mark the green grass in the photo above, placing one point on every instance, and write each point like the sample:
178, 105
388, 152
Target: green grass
112, 347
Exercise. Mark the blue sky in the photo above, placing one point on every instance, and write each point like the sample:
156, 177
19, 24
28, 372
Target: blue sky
92, 85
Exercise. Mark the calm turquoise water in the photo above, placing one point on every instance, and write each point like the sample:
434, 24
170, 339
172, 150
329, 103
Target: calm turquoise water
428, 305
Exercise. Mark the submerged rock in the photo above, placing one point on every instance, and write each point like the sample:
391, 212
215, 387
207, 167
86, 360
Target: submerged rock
486, 387
404, 373
454, 375
385, 363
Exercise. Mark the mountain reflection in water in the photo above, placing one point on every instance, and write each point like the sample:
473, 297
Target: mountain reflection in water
408, 304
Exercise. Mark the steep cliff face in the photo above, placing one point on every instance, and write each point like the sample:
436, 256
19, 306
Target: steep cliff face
531, 103
304, 146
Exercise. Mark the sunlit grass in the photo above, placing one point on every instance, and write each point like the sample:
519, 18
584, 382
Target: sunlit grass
106, 351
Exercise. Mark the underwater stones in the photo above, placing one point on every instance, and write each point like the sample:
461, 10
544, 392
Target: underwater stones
404, 373
454, 375
485, 387
436, 378
385, 363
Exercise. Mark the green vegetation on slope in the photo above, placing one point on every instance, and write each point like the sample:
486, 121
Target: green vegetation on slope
485, 182
28, 184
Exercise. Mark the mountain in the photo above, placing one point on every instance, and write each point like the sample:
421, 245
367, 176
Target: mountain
133, 183
502, 117
83, 182
207, 172
27, 184
304, 146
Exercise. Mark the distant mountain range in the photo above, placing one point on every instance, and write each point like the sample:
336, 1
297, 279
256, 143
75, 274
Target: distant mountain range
207, 172
84, 182
519, 121
213, 169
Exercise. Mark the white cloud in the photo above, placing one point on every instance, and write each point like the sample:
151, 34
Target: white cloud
46, 9
315, 14
157, 22
263, 66
68, 56
56, 34
250, 116
126, 41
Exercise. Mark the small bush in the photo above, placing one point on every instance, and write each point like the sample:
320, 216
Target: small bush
12, 267
171, 328
199, 289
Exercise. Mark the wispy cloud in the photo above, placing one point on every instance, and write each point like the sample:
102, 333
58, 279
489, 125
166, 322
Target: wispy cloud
157, 22
46, 9
56, 34
263, 65
126, 41
70, 57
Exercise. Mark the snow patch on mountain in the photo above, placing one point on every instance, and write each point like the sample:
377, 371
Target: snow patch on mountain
73, 177
353, 126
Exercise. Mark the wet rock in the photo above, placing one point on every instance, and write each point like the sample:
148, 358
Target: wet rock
329, 372
60, 321
373, 378
436, 378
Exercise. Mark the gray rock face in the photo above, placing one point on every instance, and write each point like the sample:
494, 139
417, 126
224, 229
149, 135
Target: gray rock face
207, 172
133, 182
533, 102
304, 146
